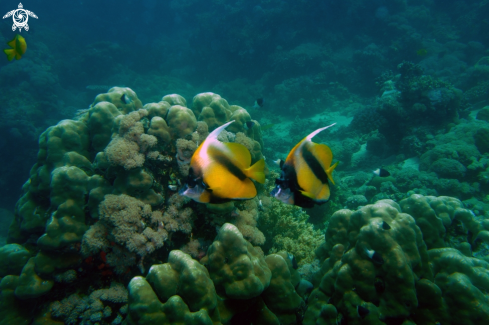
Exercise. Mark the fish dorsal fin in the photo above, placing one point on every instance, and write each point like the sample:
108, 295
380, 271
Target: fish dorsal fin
308, 138
212, 137
12, 43
214, 134
240, 153
313, 134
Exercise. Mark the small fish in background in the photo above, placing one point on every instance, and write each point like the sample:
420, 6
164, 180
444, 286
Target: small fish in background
362, 312
381, 172
18, 48
260, 206
279, 162
375, 257
306, 173
422, 52
125, 99
385, 226
258, 103
250, 124
267, 127
220, 172
292, 260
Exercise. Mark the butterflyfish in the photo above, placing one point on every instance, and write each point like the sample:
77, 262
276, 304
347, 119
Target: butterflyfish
306, 173
374, 256
381, 172
250, 124
220, 172
258, 103
18, 48
362, 312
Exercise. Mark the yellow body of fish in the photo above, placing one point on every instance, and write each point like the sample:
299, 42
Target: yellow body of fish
18, 48
223, 171
312, 163
306, 174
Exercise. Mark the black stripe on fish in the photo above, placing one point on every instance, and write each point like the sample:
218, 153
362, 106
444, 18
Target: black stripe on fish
232, 168
377, 258
315, 165
166, 115
288, 180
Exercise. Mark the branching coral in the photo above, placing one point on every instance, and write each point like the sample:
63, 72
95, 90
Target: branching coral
91, 309
176, 217
128, 147
185, 150
127, 222
246, 220
288, 227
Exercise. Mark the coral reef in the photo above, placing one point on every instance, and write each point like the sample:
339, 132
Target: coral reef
103, 304
128, 223
101, 204
397, 262
235, 280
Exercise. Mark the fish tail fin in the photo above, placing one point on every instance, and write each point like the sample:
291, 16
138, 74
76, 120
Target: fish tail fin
257, 171
329, 172
313, 134
10, 54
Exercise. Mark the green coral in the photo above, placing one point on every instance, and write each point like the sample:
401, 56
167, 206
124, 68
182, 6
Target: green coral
410, 282
288, 228
236, 268
177, 292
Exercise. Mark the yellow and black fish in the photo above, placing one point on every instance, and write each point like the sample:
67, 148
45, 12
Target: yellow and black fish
306, 174
220, 172
18, 48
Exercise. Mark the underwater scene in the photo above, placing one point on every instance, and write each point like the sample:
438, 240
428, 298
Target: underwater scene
244, 162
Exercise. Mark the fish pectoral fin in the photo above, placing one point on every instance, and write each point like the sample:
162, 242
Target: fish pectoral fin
307, 194
240, 152
205, 197
257, 171
322, 196
10, 54
241, 191
329, 172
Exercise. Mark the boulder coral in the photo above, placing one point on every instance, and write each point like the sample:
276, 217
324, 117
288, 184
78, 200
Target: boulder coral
212, 109
379, 258
101, 204
234, 282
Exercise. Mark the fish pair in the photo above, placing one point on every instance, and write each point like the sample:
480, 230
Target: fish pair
221, 172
